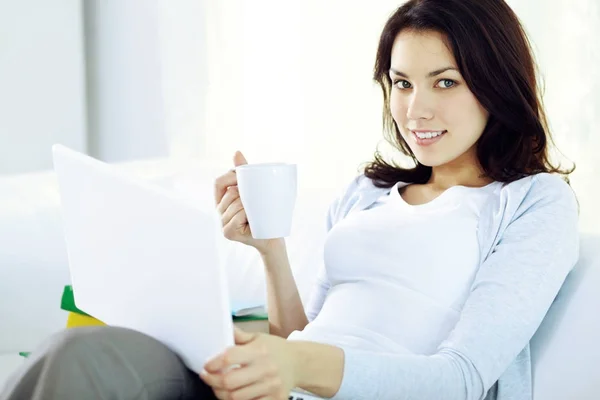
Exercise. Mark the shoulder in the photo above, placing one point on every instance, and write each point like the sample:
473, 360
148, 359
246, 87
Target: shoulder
551, 185
524, 207
542, 191
536, 213
538, 205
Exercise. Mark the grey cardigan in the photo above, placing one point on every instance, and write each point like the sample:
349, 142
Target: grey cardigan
529, 242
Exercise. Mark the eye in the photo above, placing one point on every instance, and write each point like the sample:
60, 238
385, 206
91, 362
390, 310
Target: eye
447, 83
402, 84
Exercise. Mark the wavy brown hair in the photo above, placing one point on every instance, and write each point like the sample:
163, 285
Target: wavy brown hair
494, 56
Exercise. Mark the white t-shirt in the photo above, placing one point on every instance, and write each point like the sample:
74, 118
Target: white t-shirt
399, 274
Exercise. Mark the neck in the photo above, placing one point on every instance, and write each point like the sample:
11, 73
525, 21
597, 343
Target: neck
459, 172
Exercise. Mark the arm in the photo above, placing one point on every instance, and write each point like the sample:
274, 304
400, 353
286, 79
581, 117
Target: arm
285, 308
319, 367
511, 294
286, 312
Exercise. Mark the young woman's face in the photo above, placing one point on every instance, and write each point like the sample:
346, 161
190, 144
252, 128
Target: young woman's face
436, 113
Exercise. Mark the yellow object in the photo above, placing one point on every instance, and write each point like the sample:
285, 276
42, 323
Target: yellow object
76, 320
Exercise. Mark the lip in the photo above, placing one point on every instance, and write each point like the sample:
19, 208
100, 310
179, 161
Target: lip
426, 142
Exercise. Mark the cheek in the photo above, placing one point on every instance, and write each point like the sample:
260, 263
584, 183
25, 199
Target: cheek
466, 114
398, 109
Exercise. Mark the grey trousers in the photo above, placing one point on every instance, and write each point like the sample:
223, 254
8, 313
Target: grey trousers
104, 363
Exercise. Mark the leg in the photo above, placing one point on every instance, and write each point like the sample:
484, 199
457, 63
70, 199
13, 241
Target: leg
105, 363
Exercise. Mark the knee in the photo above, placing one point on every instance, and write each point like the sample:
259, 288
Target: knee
79, 343
78, 336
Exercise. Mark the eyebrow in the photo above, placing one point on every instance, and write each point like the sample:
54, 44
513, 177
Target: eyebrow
429, 75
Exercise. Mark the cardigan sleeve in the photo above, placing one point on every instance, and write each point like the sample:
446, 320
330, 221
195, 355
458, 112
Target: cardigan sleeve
512, 292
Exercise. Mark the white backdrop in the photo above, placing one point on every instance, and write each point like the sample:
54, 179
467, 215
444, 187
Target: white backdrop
42, 82
292, 81
146, 63
566, 38
280, 80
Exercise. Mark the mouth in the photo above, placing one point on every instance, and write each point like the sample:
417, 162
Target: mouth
426, 138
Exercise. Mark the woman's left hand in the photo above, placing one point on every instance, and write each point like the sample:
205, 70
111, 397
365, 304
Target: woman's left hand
259, 366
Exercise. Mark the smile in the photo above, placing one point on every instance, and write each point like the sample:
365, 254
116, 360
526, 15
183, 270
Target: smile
425, 138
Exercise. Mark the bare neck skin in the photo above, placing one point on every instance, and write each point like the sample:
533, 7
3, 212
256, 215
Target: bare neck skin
464, 171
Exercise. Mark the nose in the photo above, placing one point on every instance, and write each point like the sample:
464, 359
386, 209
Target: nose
419, 106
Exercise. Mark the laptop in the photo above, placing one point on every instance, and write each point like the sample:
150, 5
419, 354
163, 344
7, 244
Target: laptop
141, 257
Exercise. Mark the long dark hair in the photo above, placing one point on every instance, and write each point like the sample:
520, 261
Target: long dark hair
494, 57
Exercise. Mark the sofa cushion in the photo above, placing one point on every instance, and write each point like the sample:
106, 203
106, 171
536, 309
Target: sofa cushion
565, 351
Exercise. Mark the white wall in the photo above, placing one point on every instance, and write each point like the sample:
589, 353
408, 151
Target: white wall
146, 78
280, 81
292, 81
42, 86
182, 32
565, 37
126, 117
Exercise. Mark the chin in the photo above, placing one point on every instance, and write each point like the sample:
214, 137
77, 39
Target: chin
429, 163
430, 160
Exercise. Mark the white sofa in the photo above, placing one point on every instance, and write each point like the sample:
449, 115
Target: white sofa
33, 271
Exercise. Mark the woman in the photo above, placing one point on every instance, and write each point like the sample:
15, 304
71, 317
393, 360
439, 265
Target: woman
436, 277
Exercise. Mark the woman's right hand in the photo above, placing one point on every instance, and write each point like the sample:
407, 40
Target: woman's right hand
233, 216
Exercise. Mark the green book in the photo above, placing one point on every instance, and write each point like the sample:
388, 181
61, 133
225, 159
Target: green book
251, 317
67, 302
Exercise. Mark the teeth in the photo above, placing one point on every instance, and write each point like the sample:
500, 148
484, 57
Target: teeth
428, 135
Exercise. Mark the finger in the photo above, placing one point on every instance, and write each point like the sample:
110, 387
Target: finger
214, 380
241, 377
230, 196
242, 337
239, 220
221, 394
236, 355
231, 211
222, 183
239, 159
266, 388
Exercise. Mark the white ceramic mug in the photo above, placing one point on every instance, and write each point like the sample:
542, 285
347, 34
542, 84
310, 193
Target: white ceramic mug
268, 192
